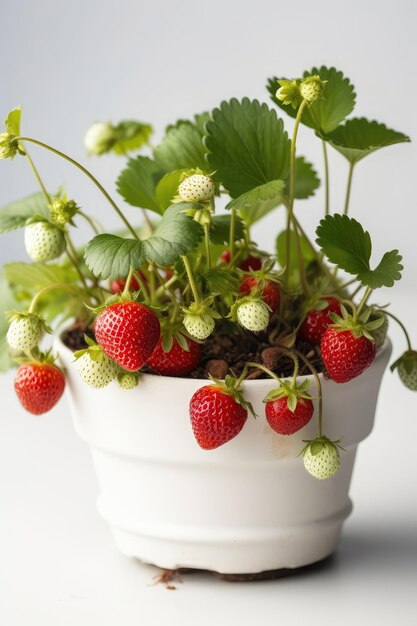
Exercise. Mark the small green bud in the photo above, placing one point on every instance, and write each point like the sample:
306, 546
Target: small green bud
63, 210
9, 146
128, 380
100, 138
312, 88
289, 93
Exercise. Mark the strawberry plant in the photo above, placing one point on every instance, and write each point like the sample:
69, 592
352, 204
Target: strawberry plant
185, 290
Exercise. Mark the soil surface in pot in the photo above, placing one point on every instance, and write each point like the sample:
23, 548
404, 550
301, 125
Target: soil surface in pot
223, 352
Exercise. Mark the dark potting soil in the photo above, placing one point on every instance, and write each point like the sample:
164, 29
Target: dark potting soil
223, 353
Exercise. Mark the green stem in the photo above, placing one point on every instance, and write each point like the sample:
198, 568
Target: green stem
191, 278
207, 243
263, 369
89, 175
348, 189
363, 301
40, 293
292, 188
232, 234
72, 255
128, 281
152, 289
38, 178
147, 220
141, 284
166, 286
403, 328
90, 221
326, 178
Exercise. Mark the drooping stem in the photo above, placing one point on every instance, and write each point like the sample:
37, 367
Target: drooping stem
403, 328
292, 189
348, 189
90, 221
326, 178
193, 286
38, 178
72, 255
89, 175
152, 289
45, 290
263, 369
147, 220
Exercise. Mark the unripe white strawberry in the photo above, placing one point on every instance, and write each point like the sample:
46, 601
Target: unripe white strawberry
128, 380
99, 138
311, 88
406, 366
196, 188
25, 332
321, 458
97, 372
43, 241
252, 314
199, 326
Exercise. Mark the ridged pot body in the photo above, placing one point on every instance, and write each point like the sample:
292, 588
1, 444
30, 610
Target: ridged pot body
246, 507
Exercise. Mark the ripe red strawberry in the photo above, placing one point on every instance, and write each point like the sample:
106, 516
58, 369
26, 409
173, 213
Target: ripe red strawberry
269, 290
177, 361
344, 355
317, 321
128, 333
39, 386
216, 416
284, 421
250, 263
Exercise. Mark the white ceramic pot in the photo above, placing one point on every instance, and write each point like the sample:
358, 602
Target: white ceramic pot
246, 507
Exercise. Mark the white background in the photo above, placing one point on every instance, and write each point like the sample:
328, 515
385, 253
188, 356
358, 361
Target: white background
71, 63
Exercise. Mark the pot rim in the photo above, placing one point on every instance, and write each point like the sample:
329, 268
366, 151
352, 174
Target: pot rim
61, 347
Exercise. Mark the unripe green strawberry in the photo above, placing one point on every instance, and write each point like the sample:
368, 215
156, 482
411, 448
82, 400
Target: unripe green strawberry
25, 332
321, 458
311, 88
94, 366
196, 188
128, 380
44, 241
199, 326
252, 314
406, 366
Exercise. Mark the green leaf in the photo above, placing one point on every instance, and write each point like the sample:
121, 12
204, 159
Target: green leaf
167, 188
220, 229
247, 145
359, 137
326, 113
137, 183
281, 247
176, 234
182, 147
221, 281
131, 136
109, 256
345, 243
388, 270
256, 203
12, 122
35, 276
306, 179
16, 214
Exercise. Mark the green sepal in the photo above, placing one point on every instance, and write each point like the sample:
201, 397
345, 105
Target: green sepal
316, 445
230, 387
14, 315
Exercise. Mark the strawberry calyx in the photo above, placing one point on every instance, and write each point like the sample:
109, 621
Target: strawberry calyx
291, 391
36, 319
408, 360
94, 350
37, 357
317, 444
359, 326
202, 309
231, 386
263, 276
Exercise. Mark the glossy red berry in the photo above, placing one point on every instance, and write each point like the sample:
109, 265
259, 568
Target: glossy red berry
284, 421
39, 386
176, 362
346, 356
317, 322
128, 333
216, 417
